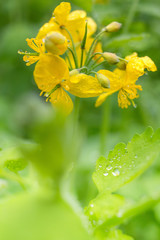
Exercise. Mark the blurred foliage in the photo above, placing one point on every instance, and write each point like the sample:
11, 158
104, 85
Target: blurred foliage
23, 115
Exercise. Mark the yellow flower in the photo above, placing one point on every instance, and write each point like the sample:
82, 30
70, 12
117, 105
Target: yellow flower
125, 81
62, 17
38, 46
55, 81
51, 79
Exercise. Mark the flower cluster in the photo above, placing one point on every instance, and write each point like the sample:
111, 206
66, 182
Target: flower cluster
66, 55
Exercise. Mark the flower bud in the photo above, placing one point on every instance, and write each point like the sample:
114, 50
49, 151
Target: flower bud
73, 72
56, 43
121, 65
113, 27
103, 80
111, 58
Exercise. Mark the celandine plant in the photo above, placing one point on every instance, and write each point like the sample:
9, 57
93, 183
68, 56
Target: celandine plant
46, 206
70, 34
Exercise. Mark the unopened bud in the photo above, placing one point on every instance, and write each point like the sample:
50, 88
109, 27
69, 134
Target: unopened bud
56, 43
111, 58
113, 27
121, 65
73, 72
103, 80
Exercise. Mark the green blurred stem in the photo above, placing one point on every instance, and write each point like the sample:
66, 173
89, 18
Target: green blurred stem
13, 177
76, 116
104, 126
131, 15
134, 211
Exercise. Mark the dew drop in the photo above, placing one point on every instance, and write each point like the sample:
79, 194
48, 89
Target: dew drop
105, 174
100, 165
135, 156
116, 172
92, 205
109, 167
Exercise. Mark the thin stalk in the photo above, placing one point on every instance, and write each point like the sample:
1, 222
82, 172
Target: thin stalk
97, 53
82, 54
74, 57
130, 16
83, 44
104, 126
96, 65
92, 47
73, 45
69, 61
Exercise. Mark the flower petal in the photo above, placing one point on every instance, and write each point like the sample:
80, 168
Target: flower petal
134, 69
61, 100
84, 86
76, 20
102, 98
92, 26
47, 28
36, 44
149, 64
30, 59
50, 71
61, 13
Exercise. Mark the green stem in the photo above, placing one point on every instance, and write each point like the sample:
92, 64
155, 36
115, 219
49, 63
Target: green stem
73, 45
82, 54
13, 177
96, 65
130, 16
97, 53
104, 126
76, 116
74, 57
136, 210
69, 61
83, 45
92, 47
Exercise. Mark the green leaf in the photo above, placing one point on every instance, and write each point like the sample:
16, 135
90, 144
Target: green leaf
113, 235
125, 163
149, 9
103, 207
15, 165
124, 39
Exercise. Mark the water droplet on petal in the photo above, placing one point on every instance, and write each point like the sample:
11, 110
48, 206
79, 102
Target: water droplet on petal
109, 167
116, 172
105, 174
